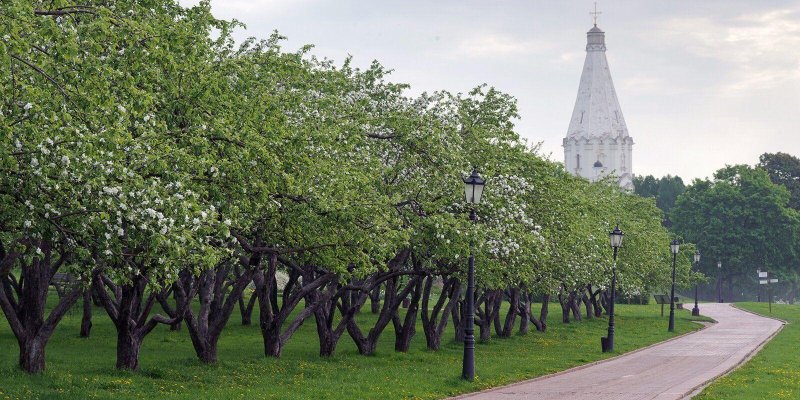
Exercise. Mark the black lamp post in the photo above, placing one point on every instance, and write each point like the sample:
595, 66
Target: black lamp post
719, 281
473, 190
607, 343
696, 309
674, 247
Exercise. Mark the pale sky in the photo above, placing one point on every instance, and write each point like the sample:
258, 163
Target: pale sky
701, 83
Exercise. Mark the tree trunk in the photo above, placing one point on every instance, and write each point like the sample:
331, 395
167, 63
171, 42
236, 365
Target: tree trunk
129, 312
486, 315
272, 340
31, 355
327, 345
247, 310
406, 330
435, 320
23, 301
208, 354
86, 319
596, 302
574, 305
375, 299
393, 294
587, 302
176, 326
459, 317
545, 310
273, 316
497, 304
524, 311
128, 346
513, 311
564, 307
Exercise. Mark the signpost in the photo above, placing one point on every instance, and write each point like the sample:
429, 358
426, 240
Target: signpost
662, 299
764, 279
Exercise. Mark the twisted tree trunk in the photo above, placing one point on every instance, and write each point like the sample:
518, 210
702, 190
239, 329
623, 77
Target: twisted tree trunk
24, 301
129, 311
86, 319
513, 311
218, 293
405, 330
393, 295
272, 316
434, 321
484, 316
564, 306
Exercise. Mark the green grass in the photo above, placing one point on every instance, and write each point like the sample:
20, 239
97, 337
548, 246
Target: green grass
774, 372
84, 368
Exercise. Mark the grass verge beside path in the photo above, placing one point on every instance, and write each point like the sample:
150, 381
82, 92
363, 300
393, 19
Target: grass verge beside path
774, 372
84, 368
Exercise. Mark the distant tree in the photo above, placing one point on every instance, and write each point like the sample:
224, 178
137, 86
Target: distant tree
783, 169
740, 218
665, 190
645, 186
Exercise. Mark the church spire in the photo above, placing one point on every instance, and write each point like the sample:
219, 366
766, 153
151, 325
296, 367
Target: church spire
597, 112
597, 131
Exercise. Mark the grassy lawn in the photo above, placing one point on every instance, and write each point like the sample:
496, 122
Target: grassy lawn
84, 368
774, 372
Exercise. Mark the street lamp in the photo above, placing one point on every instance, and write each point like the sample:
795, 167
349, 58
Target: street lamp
674, 247
473, 191
696, 309
719, 281
615, 237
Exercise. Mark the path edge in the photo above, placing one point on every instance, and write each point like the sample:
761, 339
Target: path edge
704, 324
699, 388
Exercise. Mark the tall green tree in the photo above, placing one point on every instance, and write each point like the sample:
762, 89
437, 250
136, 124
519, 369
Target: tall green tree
783, 169
665, 190
742, 219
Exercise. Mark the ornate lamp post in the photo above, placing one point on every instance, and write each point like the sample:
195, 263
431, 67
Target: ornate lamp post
719, 281
615, 237
473, 190
696, 309
674, 247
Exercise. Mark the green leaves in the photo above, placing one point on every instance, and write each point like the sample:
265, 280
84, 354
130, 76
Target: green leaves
143, 139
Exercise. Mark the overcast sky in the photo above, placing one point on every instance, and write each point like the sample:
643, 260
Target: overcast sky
701, 83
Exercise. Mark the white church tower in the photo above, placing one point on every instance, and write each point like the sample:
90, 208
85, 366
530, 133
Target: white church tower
597, 142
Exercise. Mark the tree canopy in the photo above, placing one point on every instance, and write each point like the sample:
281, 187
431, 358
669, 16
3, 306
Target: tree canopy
146, 153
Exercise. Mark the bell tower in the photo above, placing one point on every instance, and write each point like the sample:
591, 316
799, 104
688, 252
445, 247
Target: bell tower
597, 142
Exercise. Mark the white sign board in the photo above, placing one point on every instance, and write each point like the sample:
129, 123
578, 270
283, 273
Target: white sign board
762, 274
773, 281
762, 282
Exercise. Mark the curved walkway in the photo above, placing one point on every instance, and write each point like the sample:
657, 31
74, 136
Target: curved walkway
670, 370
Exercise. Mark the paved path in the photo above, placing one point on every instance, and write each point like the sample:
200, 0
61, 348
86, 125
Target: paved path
670, 370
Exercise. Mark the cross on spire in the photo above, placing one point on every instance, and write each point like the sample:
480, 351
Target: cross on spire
595, 13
